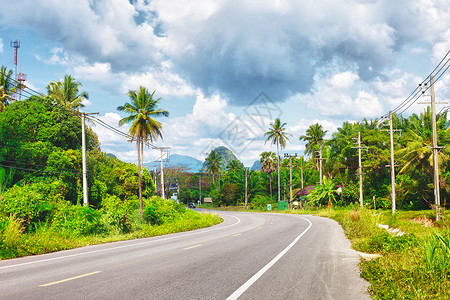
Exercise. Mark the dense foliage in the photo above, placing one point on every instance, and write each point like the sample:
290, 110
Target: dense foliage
41, 183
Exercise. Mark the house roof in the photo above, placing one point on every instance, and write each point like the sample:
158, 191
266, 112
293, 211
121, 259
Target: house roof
306, 190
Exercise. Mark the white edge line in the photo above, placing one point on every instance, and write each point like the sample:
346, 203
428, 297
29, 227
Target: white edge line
119, 247
264, 269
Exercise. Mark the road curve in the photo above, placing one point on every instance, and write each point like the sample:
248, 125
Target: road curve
248, 256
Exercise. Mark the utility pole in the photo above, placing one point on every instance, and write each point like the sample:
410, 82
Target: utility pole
391, 137
360, 173
392, 165
83, 155
166, 149
435, 148
290, 176
320, 164
246, 190
154, 177
200, 188
301, 167
437, 197
163, 192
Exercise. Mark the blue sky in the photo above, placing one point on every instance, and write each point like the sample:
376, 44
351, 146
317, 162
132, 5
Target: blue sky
225, 69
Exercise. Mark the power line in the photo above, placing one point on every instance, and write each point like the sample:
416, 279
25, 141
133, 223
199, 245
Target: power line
411, 99
38, 170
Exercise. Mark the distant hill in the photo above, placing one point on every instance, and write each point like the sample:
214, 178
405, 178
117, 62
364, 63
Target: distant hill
191, 164
227, 156
111, 155
256, 166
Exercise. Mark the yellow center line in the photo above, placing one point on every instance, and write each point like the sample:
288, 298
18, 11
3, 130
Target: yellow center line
259, 227
192, 247
72, 278
237, 234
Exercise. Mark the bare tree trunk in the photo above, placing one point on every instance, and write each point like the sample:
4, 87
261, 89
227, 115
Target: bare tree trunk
139, 176
278, 158
270, 184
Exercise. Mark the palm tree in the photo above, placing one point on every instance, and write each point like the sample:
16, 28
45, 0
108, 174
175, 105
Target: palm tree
268, 166
314, 136
277, 135
67, 93
7, 87
213, 163
234, 166
141, 109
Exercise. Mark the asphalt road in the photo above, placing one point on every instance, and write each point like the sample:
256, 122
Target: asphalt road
248, 256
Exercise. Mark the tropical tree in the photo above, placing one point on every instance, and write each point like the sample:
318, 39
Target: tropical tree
234, 166
67, 93
277, 135
7, 87
323, 193
314, 137
142, 108
267, 161
213, 163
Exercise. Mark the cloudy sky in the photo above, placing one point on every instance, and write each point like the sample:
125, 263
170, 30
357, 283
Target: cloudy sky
225, 69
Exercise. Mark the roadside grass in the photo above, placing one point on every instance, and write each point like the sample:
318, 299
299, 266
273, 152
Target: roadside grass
16, 242
414, 261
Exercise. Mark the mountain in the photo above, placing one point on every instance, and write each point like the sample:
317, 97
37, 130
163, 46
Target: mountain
256, 166
191, 164
227, 156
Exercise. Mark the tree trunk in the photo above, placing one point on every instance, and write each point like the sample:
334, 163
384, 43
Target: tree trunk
270, 184
139, 176
278, 159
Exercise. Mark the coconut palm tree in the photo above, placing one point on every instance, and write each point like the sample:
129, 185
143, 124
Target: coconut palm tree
213, 163
7, 87
142, 108
234, 166
267, 161
277, 135
67, 93
314, 136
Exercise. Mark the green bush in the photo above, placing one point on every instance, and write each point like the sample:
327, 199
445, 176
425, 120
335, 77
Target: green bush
159, 211
75, 220
115, 215
27, 203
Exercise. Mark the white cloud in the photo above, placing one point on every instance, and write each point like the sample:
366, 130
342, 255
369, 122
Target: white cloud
1, 45
342, 96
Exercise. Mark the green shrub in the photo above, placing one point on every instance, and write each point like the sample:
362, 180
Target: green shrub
27, 203
115, 216
159, 211
75, 220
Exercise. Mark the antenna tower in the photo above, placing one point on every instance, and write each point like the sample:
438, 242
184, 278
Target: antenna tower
19, 77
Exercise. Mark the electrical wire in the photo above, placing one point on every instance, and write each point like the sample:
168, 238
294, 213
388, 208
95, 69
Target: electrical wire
37, 170
416, 93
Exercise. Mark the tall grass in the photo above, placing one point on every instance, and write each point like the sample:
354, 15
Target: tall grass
415, 265
76, 226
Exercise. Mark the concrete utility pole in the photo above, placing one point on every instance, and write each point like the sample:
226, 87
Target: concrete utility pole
246, 188
360, 173
435, 147
200, 188
392, 165
163, 192
166, 149
320, 163
437, 195
361, 201
290, 175
83, 150
391, 137
301, 167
